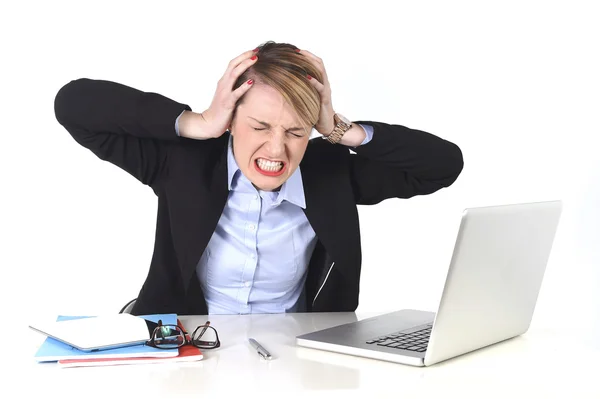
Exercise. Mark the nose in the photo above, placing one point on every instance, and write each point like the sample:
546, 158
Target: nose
276, 146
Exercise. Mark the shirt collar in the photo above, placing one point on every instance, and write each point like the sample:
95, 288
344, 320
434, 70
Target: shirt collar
292, 189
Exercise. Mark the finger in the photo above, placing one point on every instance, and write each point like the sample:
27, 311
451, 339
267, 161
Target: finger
317, 62
241, 68
320, 87
240, 91
311, 55
237, 60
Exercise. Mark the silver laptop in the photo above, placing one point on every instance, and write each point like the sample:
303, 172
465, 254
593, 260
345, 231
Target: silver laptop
490, 293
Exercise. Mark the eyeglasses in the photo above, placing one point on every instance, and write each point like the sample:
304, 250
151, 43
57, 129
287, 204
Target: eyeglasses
170, 336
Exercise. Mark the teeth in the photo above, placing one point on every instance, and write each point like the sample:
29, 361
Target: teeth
269, 166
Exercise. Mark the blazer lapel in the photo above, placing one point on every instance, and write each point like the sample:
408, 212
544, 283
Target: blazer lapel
199, 205
327, 209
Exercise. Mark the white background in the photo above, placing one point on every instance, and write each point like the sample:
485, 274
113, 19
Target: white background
514, 84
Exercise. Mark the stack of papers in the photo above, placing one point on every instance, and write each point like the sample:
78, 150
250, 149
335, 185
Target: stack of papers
66, 355
186, 353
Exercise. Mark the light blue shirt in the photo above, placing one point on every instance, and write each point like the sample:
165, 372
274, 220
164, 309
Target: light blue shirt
257, 259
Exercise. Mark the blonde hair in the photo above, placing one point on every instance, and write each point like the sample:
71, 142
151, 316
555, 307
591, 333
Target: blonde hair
282, 68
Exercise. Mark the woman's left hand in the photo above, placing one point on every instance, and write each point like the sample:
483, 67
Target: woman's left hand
325, 124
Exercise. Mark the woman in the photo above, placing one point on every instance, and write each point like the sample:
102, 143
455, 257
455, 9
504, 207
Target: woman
253, 215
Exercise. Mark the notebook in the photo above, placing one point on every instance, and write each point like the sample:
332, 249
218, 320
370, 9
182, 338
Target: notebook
97, 332
53, 350
186, 354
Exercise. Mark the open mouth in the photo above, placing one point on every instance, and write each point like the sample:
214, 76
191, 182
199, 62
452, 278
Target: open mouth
269, 168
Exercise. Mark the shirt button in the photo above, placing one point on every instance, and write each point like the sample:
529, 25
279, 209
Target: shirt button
252, 256
247, 283
256, 196
251, 227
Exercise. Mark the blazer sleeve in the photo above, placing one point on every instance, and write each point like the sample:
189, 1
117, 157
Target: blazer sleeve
401, 163
127, 127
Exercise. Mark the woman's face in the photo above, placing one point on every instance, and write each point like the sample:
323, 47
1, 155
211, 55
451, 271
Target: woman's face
269, 140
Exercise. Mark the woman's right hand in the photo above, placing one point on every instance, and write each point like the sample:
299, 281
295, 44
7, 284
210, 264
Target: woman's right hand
213, 122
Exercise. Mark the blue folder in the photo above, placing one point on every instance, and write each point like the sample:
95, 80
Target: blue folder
52, 350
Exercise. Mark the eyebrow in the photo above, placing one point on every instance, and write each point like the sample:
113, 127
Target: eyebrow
265, 124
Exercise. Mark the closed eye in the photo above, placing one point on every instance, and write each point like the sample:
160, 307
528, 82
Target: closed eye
293, 134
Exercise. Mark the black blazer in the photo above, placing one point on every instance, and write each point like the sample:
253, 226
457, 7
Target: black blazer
135, 131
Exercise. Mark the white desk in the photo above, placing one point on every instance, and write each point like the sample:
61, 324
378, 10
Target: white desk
533, 365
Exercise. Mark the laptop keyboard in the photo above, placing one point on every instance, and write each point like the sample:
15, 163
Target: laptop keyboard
412, 341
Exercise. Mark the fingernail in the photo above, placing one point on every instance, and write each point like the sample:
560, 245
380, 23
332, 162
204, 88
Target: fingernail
250, 81
255, 50
253, 57
309, 77
297, 50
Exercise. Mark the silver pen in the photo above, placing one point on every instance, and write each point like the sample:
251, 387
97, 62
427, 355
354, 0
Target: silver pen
260, 349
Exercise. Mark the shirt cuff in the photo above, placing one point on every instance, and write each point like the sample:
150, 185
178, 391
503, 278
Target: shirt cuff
177, 122
369, 131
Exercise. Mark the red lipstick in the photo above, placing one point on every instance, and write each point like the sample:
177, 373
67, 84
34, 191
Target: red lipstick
270, 174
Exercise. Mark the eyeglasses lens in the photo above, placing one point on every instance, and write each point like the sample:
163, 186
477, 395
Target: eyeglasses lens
168, 337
